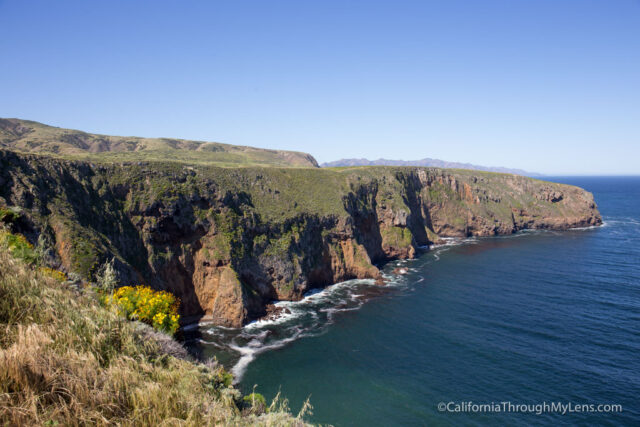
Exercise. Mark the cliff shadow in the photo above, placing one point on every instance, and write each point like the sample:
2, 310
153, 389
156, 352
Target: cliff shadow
361, 206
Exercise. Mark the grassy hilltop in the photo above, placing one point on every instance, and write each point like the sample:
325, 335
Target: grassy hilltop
29, 136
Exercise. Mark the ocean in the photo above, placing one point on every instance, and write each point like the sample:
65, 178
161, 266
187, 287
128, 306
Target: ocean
508, 330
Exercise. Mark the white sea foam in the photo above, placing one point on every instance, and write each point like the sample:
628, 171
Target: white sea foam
591, 227
308, 317
196, 325
620, 221
249, 352
282, 317
297, 309
191, 326
437, 252
331, 311
316, 310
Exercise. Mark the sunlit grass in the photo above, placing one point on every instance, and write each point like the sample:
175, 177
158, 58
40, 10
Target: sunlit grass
66, 360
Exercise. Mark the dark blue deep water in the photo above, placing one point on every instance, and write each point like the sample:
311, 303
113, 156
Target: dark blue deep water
530, 318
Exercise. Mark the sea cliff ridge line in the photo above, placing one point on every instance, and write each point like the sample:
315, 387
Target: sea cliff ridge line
230, 240
428, 162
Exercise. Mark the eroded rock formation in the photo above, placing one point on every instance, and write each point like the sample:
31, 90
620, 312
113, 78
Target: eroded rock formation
230, 241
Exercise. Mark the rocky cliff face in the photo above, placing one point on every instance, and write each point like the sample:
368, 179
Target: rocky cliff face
229, 241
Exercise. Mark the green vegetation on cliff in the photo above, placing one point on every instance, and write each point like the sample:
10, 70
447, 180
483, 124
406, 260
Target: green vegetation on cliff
66, 360
227, 241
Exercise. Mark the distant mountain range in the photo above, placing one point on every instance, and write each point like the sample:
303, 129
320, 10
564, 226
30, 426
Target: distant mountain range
436, 163
34, 137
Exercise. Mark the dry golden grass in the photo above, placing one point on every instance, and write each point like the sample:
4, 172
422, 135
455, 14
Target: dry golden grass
65, 360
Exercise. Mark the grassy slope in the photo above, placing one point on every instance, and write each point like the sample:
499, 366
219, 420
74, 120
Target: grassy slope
29, 136
64, 359
279, 193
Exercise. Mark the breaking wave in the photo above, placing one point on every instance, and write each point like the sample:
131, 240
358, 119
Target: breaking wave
236, 348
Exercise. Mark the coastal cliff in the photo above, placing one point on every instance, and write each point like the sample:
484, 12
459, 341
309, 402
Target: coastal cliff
228, 241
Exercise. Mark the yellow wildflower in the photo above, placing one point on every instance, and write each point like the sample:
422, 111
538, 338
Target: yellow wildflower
157, 308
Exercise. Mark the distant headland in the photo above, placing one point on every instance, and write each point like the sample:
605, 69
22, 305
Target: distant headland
434, 163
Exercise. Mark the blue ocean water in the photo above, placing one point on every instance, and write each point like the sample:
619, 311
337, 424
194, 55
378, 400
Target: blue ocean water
530, 318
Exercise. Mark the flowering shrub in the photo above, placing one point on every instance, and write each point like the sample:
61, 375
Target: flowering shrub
157, 308
56, 274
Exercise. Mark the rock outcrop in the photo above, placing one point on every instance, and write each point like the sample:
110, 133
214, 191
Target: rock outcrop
228, 241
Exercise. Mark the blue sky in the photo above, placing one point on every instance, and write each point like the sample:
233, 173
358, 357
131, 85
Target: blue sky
548, 85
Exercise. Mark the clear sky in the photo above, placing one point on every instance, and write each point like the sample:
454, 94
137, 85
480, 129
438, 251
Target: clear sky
551, 86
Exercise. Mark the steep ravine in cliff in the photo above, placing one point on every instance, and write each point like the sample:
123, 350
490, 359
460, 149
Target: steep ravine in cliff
228, 241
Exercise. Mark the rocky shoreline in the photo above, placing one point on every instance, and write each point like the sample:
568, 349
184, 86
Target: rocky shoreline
229, 241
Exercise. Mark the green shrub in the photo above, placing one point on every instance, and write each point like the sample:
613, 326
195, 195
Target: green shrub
8, 215
255, 403
18, 246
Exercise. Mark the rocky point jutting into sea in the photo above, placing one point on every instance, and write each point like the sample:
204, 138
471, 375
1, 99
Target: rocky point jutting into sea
230, 240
